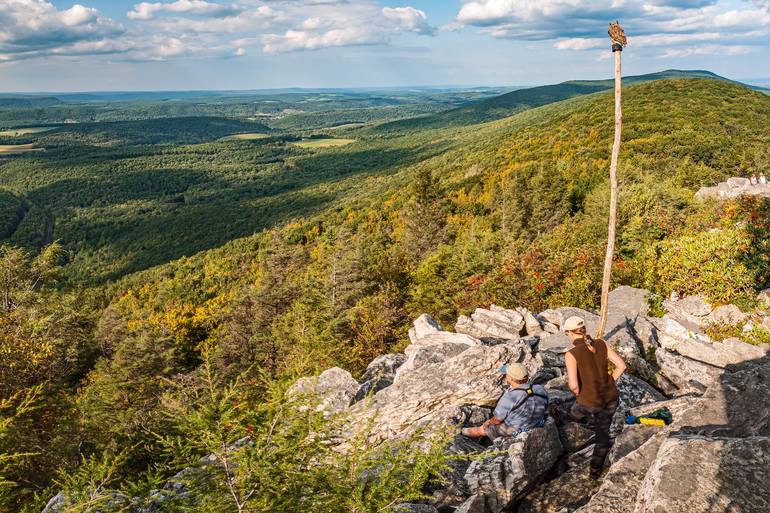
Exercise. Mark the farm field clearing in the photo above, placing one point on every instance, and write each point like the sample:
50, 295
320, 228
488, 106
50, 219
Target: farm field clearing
16, 132
323, 143
244, 137
9, 149
347, 125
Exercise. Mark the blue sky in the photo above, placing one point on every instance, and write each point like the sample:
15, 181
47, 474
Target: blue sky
94, 45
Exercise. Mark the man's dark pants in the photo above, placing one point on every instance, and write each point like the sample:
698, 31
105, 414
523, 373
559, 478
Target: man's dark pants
601, 418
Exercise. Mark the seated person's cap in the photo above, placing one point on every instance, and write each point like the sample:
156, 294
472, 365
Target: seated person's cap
515, 371
574, 323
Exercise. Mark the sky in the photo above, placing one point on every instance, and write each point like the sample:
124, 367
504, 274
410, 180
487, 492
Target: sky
103, 45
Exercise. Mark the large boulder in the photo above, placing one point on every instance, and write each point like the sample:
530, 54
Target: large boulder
379, 374
679, 339
557, 343
557, 316
646, 331
531, 323
621, 337
696, 313
474, 504
423, 326
570, 490
514, 465
735, 406
454, 489
630, 301
334, 389
702, 475
727, 314
384, 365
433, 393
691, 311
495, 323
434, 348
685, 375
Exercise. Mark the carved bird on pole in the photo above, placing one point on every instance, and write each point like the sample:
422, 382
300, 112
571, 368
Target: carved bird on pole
617, 35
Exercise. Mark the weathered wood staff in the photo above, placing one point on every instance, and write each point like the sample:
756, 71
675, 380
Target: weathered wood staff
618, 38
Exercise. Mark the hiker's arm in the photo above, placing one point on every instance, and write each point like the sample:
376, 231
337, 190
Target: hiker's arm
617, 361
494, 421
572, 373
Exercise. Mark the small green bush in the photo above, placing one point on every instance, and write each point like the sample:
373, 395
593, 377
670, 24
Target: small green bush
709, 263
723, 330
757, 336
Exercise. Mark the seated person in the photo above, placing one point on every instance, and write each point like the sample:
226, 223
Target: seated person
762, 179
520, 409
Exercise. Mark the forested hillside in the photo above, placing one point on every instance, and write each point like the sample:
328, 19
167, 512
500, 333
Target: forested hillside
514, 211
129, 377
516, 101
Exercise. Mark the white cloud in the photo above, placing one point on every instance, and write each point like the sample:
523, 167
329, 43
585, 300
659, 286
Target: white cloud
705, 50
581, 25
30, 28
408, 19
333, 24
294, 40
148, 11
200, 28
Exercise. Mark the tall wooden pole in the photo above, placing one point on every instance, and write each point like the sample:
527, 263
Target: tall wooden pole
618, 42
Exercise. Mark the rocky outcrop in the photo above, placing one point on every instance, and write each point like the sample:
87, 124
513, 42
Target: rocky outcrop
434, 393
630, 301
334, 388
379, 374
734, 188
423, 326
684, 375
731, 475
433, 349
566, 493
696, 313
708, 460
384, 366
676, 338
712, 458
531, 322
513, 466
496, 323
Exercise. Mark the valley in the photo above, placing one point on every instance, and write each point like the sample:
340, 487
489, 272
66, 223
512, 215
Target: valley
172, 267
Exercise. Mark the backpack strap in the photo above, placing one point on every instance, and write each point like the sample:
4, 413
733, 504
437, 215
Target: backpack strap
530, 393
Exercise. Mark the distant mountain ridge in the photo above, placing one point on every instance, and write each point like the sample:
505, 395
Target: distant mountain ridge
516, 101
28, 102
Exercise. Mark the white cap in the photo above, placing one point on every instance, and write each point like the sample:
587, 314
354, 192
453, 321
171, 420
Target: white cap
574, 323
